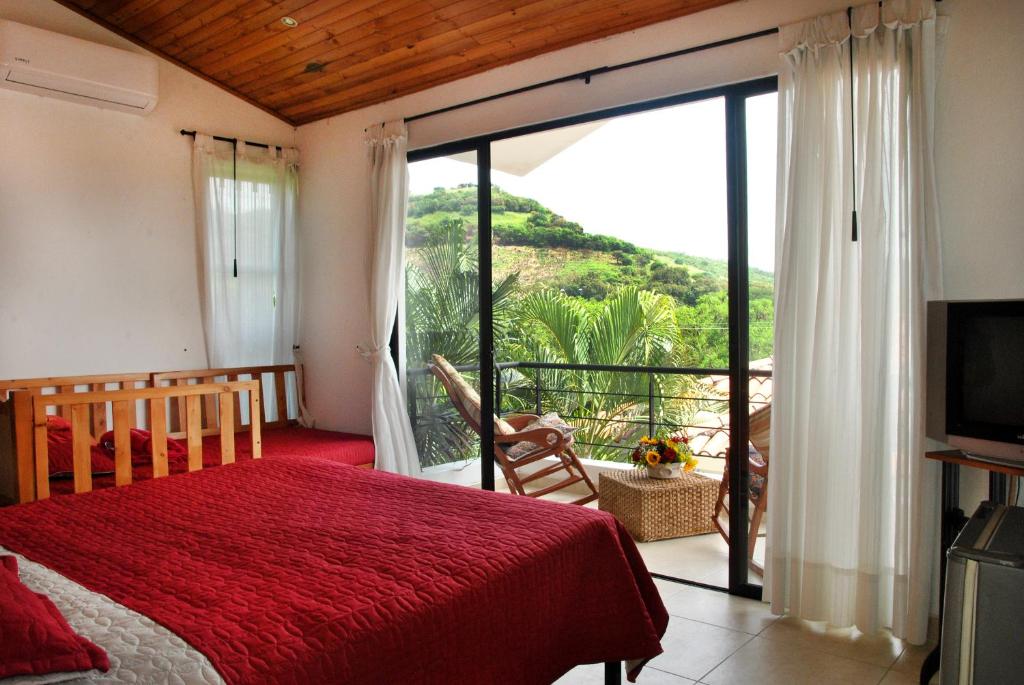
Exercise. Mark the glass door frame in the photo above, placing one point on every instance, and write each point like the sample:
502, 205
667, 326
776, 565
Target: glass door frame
735, 96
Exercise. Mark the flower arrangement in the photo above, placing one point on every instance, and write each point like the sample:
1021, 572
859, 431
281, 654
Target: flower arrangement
656, 452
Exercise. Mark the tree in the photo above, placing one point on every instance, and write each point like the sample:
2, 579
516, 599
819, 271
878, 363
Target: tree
443, 317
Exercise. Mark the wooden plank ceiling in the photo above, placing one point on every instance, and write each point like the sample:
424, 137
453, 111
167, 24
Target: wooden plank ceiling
347, 54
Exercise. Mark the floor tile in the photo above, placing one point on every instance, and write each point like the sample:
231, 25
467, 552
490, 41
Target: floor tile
667, 588
894, 677
692, 649
719, 608
881, 649
773, 662
593, 674
911, 659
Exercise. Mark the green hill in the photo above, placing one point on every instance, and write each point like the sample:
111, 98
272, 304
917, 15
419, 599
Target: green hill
547, 250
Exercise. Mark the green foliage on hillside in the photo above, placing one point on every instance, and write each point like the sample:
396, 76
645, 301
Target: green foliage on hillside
564, 295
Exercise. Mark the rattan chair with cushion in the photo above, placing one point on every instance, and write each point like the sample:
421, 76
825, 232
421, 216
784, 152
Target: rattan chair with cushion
520, 440
757, 490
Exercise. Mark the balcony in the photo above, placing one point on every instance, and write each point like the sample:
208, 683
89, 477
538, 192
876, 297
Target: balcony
612, 407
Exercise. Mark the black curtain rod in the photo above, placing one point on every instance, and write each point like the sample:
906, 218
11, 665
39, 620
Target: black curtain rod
234, 141
585, 76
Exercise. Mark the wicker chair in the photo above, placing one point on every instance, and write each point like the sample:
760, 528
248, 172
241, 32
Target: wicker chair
760, 432
534, 443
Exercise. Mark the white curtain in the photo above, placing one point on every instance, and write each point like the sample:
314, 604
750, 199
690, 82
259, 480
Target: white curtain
852, 532
389, 193
245, 209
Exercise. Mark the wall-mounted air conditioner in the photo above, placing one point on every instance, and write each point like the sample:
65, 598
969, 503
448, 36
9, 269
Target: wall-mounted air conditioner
46, 63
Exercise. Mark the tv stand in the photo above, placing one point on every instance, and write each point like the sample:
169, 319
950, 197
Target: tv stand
953, 518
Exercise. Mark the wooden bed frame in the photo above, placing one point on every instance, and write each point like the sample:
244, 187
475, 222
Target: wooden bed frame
18, 413
17, 419
78, 406
283, 377
280, 375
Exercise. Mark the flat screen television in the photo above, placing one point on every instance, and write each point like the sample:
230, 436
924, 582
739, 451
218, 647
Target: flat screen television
976, 376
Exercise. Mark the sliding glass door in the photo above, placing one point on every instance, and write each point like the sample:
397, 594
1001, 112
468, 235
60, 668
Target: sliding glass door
605, 268
441, 315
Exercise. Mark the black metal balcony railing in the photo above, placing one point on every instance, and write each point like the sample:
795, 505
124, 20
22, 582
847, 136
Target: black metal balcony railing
612, 413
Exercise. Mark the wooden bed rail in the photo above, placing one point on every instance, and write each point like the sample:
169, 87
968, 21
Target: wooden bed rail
16, 421
123, 403
276, 379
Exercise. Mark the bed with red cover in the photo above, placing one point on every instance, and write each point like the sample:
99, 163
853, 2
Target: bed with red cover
342, 448
301, 570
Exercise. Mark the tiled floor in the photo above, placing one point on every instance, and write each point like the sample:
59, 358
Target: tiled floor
700, 558
716, 639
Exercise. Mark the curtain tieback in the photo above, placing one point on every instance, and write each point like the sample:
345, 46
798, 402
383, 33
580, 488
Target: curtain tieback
371, 353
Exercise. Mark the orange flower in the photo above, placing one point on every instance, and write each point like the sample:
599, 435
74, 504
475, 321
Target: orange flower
690, 465
653, 458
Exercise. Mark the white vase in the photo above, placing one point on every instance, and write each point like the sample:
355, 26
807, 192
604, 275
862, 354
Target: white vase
663, 471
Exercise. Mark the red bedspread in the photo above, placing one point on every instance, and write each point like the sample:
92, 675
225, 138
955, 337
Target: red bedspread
302, 571
344, 448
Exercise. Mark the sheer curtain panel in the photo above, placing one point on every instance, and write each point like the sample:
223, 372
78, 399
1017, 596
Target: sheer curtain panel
852, 529
389, 193
245, 219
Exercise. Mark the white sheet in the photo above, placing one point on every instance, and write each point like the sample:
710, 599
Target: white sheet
140, 650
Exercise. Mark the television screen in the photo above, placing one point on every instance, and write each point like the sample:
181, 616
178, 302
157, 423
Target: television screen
985, 372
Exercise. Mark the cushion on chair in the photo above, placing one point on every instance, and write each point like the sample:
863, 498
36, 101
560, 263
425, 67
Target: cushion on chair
550, 420
469, 397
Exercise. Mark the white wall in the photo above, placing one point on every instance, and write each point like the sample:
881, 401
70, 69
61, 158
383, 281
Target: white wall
97, 247
980, 162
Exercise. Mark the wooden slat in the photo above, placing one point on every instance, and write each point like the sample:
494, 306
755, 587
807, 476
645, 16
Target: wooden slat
227, 428
63, 411
21, 406
194, 432
254, 425
99, 412
158, 436
132, 418
56, 381
123, 413
259, 418
178, 416
236, 399
209, 411
207, 374
81, 447
281, 395
143, 393
42, 461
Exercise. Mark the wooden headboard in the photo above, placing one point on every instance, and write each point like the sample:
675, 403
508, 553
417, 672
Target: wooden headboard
280, 382
17, 419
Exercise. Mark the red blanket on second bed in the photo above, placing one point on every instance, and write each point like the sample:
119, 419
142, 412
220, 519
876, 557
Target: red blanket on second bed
303, 571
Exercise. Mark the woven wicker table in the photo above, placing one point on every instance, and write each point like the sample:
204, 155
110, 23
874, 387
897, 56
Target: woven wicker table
653, 509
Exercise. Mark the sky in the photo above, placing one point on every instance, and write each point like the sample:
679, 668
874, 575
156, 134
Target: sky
656, 179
